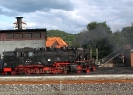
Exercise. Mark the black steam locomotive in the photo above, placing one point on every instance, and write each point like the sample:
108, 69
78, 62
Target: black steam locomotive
47, 61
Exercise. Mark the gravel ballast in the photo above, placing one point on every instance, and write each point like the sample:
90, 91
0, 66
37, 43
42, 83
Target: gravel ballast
67, 89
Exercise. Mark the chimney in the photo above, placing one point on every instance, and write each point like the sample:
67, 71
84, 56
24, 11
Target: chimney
19, 22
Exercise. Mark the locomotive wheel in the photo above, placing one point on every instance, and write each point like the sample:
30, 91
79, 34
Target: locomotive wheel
4, 73
13, 72
88, 71
41, 71
28, 72
94, 68
37, 71
79, 71
54, 71
65, 72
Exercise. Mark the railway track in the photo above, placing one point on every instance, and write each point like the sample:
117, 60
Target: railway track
101, 75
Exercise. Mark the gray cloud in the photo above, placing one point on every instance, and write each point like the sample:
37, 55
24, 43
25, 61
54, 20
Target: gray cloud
8, 13
36, 5
69, 15
52, 20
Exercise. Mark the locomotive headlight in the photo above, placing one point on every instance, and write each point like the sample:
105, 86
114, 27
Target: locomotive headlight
49, 59
5, 64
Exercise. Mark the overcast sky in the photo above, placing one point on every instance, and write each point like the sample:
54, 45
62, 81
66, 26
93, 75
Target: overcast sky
71, 16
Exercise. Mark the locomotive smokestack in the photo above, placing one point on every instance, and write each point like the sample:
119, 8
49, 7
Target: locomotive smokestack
19, 22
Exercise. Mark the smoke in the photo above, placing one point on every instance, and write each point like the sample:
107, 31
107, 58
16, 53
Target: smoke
85, 36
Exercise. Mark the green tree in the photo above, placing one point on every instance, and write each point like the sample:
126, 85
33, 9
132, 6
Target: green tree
128, 34
92, 25
118, 40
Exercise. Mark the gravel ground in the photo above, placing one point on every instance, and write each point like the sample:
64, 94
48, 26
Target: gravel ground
67, 89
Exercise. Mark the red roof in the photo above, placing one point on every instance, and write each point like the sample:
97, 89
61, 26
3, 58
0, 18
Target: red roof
51, 41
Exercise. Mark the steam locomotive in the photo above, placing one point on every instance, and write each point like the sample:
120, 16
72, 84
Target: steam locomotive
47, 61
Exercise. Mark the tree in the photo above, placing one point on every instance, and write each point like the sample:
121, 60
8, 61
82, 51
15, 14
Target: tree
127, 32
118, 40
92, 25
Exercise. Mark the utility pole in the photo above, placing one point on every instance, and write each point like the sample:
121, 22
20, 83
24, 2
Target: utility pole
96, 56
90, 53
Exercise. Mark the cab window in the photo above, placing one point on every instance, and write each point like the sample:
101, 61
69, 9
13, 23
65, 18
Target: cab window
30, 54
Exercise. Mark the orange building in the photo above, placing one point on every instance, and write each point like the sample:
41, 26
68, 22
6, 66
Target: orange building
55, 42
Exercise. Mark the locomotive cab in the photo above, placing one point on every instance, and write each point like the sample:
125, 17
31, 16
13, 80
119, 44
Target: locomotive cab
25, 56
9, 59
